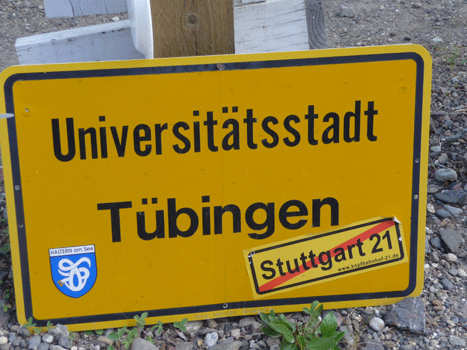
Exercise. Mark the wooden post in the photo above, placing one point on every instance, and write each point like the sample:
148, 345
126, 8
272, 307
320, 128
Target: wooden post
192, 27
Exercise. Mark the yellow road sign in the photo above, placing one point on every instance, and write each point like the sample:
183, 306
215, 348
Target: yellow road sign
137, 186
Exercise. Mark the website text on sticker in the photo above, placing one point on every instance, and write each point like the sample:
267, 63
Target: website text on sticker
306, 260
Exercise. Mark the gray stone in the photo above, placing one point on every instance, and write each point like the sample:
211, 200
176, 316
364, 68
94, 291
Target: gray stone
65, 341
443, 158
58, 347
377, 324
372, 345
453, 210
58, 331
246, 321
34, 342
235, 345
431, 189
453, 340
210, 339
43, 346
436, 243
447, 284
235, 332
185, 346
445, 174
346, 11
435, 149
104, 342
443, 213
141, 344
23, 331
7, 346
408, 314
275, 347
348, 338
451, 238
193, 326
47, 338
450, 257
451, 197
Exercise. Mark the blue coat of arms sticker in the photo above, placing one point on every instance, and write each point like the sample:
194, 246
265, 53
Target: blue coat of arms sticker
74, 269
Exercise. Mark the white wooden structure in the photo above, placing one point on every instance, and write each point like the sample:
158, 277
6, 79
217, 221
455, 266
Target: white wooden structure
260, 26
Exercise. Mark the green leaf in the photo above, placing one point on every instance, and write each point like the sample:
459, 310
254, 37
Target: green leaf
110, 347
307, 310
284, 329
114, 336
272, 316
321, 344
338, 336
328, 325
291, 324
302, 342
264, 317
184, 321
287, 346
270, 332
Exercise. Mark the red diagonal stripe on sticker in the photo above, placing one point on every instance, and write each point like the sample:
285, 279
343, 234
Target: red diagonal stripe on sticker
362, 236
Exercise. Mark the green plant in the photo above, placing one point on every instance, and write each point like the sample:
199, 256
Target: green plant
131, 334
99, 331
72, 336
317, 334
181, 325
6, 307
158, 327
30, 325
5, 249
49, 325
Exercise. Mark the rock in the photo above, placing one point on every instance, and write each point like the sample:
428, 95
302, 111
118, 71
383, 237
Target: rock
58, 331
346, 11
235, 332
43, 346
377, 324
58, 347
185, 346
408, 314
446, 284
47, 338
461, 273
436, 150
451, 238
104, 341
450, 257
210, 339
193, 326
246, 321
453, 340
34, 342
3, 340
431, 189
443, 214
443, 158
451, 197
65, 342
23, 331
453, 210
8, 346
416, 5
446, 174
235, 345
141, 344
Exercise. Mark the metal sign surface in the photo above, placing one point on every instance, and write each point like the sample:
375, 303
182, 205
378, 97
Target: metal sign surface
137, 186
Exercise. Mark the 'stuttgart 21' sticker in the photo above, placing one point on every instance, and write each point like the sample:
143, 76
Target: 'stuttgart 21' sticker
317, 258
74, 269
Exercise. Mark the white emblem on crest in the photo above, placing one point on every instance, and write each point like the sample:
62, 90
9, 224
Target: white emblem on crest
71, 270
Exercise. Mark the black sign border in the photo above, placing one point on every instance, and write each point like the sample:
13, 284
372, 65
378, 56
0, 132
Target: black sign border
317, 61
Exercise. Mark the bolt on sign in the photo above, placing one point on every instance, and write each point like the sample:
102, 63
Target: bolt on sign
206, 187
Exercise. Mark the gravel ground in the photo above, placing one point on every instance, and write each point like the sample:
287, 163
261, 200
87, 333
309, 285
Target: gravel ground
435, 320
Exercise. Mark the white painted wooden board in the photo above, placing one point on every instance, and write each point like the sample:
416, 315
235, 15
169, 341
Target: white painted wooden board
75, 8
259, 27
271, 27
104, 42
